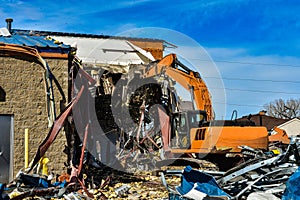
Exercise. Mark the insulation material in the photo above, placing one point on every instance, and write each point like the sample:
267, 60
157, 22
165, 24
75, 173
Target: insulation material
103, 52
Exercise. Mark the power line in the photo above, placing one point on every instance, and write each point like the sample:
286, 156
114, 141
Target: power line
259, 91
262, 91
251, 79
247, 63
244, 105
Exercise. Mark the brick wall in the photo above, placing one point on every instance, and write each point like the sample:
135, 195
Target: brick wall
25, 98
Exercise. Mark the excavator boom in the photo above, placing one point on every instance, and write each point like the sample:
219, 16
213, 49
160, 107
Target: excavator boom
188, 79
195, 131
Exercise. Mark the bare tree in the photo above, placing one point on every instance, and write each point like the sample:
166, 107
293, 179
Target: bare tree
283, 109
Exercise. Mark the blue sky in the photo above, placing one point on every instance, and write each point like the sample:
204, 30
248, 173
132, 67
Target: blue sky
255, 44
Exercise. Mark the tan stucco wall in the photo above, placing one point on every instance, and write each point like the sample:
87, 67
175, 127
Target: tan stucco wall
23, 83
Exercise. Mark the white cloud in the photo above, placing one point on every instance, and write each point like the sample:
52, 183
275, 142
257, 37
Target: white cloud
223, 53
132, 2
251, 81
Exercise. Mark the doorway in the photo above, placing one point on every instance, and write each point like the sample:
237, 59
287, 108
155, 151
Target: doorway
6, 148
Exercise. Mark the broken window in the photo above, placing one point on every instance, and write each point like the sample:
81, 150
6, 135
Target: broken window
2, 94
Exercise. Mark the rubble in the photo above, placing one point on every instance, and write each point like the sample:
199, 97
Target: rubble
263, 177
266, 176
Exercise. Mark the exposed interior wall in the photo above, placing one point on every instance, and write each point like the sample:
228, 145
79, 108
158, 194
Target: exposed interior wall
155, 48
23, 83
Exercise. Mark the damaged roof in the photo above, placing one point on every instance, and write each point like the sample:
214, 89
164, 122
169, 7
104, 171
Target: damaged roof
107, 52
117, 50
41, 43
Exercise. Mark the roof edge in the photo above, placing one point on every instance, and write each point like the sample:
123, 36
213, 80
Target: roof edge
37, 32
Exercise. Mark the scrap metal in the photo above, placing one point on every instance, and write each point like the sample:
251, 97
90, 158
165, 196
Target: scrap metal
265, 174
54, 131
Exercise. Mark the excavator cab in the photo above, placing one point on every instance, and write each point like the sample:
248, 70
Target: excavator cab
196, 118
182, 122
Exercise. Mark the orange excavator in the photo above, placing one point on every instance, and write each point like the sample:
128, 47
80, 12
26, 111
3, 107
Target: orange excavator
280, 136
195, 132
187, 78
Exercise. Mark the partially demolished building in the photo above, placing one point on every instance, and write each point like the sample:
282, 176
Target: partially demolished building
26, 102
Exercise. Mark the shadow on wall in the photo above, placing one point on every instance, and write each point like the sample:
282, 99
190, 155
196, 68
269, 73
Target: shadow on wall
2, 94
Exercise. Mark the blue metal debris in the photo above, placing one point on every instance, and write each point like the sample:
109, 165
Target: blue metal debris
2, 189
41, 43
195, 185
292, 190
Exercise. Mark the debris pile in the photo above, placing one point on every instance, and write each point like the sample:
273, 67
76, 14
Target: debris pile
105, 184
266, 176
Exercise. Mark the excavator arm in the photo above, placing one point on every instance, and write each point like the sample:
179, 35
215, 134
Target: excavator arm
187, 78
